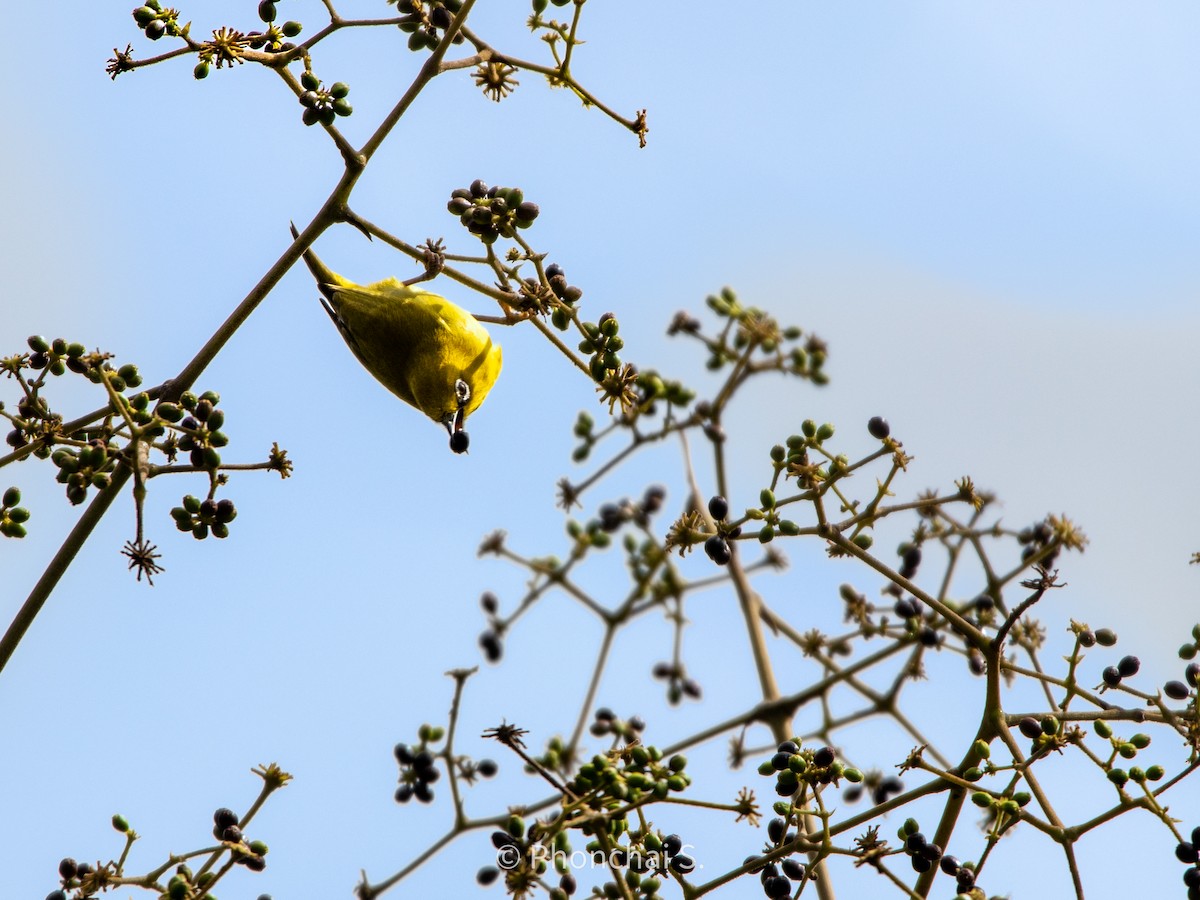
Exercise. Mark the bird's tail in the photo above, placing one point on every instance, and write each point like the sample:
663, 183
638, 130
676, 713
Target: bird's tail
327, 280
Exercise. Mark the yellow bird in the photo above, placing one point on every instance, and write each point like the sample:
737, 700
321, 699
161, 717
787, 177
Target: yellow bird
427, 351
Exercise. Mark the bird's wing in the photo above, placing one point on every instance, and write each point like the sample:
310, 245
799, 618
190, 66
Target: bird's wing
345, 332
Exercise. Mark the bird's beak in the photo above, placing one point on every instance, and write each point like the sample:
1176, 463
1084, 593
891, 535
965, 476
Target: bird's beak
459, 441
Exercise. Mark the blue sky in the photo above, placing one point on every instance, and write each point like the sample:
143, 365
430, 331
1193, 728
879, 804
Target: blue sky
988, 210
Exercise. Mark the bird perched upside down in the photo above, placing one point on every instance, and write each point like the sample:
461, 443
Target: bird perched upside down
427, 351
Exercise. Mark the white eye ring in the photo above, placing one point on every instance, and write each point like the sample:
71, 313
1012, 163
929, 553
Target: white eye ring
462, 393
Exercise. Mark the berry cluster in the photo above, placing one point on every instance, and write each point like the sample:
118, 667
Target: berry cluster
794, 767
613, 515
603, 344
654, 387
909, 609
13, 516
423, 20
86, 467
321, 104
717, 546
1176, 690
636, 772
1181, 690
418, 766
250, 854
757, 330
1128, 749
490, 213
567, 293
1127, 667
962, 873
204, 517
767, 513
74, 875
605, 722
881, 787
792, 461
59, 356
491, 641
202, 433
156, 21
777, 880
1188, 852
921, 853
678, 684
1033, 539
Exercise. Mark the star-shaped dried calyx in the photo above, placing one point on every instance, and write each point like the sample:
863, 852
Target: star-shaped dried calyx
142, 555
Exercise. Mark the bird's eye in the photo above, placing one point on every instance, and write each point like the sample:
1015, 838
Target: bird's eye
462, 393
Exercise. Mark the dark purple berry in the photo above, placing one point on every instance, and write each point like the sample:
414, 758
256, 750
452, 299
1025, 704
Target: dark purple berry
1128, 666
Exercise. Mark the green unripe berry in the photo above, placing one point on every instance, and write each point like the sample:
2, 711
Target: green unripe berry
982, 799
809, 427
516, 826
863, 540
12, 497
310, 82
342, 108
1022, 798
825, 432
1103, 728
982, 749
120, 824
291, 29
338, 90
201, 71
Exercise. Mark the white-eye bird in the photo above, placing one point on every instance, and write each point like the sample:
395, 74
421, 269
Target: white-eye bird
427, 351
